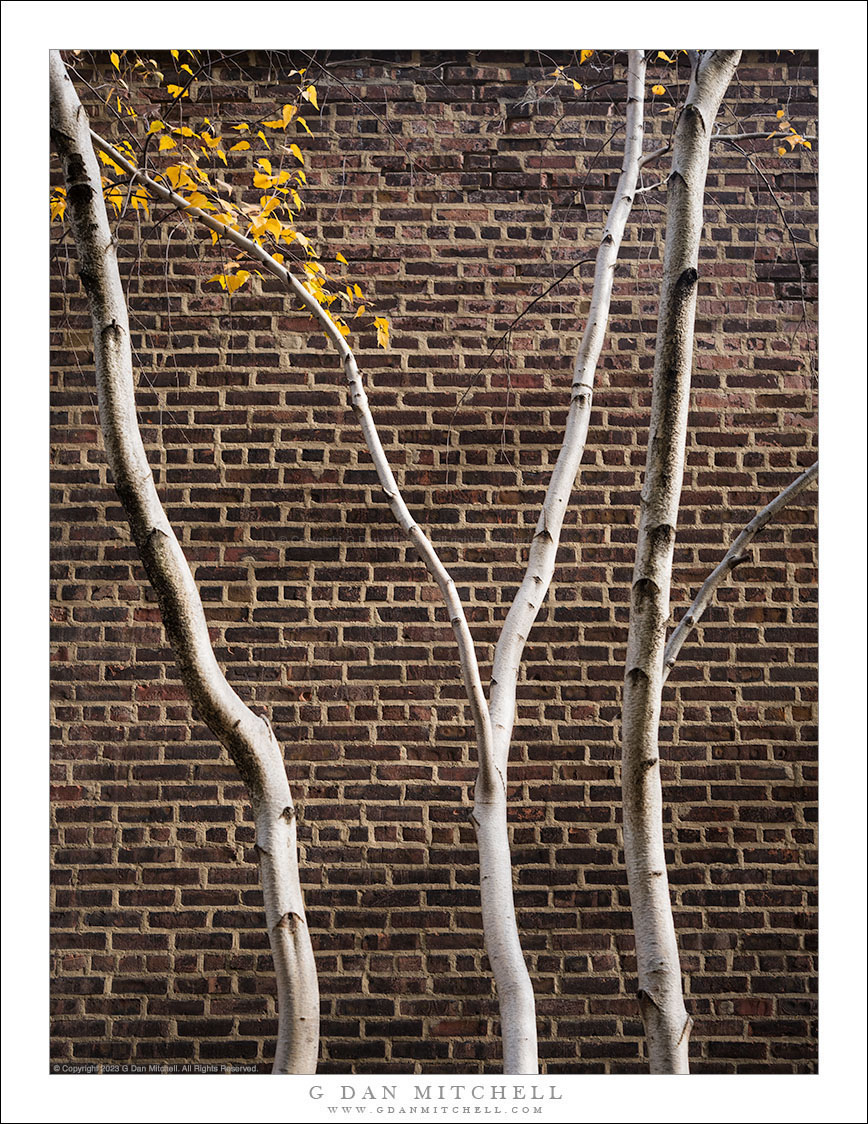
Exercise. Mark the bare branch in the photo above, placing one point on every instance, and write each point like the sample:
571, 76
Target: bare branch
654, 154
754, 136
733, 557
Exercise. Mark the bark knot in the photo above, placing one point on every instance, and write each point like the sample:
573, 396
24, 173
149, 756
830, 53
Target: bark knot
290, 921
645, 999
645, 591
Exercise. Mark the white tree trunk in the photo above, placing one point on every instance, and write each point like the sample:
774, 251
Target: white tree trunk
544, 546
667, 1024
736, 554
248, 738
514, 989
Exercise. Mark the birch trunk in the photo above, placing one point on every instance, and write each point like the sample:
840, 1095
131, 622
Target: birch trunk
667, 1024
248, 738
502, 943
544, 546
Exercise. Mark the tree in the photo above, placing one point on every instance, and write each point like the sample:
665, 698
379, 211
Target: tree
254, 750
249, 740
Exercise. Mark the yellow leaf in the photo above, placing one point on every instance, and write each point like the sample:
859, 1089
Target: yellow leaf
782, 151
658, 89
340, 257
264, 138
663, 55
115, 197
140, 203
197, 199
576, 85
174, 54
155, 126
382, 326
358, 292
184, 66
116, 62
584, 56
166, 142
288, 111
239, 279
310, 95
806, 144
107, 160
242, 146
58, 204
779, 113
243, 128
296, 152
303, 124
265, 165
178, 92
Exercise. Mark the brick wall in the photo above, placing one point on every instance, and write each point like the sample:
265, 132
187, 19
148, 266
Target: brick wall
457, 186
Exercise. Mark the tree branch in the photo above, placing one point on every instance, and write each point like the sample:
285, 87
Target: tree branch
733, 557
